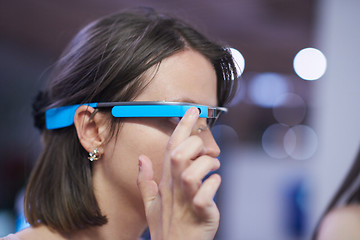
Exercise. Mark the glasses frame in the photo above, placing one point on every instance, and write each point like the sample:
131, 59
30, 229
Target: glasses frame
61, 117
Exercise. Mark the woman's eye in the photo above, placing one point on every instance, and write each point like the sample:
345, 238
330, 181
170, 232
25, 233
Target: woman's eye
175, 120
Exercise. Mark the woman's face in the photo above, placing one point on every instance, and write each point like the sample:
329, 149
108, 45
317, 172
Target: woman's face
186, 76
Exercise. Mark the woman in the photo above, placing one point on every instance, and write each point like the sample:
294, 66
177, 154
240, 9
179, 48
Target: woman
106, 175
342, 217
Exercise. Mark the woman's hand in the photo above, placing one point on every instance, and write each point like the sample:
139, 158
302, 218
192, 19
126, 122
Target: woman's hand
181, 206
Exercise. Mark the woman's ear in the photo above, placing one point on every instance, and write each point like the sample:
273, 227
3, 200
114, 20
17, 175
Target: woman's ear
89, 127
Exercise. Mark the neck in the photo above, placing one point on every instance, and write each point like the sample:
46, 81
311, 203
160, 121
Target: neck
125, 214
124, 227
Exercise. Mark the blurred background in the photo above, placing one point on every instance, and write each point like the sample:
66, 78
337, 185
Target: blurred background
293, 128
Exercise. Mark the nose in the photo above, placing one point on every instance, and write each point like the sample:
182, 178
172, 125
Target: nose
211, 147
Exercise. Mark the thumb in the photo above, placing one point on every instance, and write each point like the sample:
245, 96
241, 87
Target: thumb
146, 184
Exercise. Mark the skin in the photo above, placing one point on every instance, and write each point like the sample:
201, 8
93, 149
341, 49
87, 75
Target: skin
151, 173
341, 223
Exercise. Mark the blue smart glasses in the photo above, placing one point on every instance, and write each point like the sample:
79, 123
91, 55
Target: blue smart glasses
61, 117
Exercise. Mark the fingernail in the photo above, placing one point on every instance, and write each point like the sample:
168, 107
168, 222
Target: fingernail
194, 111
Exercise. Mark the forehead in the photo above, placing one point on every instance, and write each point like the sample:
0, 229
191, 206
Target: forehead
185, 76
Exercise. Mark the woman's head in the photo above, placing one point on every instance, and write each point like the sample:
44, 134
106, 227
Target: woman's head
112, 59
105, 61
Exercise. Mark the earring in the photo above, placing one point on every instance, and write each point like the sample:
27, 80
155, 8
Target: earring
94, 155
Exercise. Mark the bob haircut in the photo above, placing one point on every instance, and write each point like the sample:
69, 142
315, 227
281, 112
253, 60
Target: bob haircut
105, 62
347, 194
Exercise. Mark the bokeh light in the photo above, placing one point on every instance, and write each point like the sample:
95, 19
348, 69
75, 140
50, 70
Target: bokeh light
281, 141
239, 95
273, 140
225, 134
289, 109
239, 61
266, 88
300, 142
310, 64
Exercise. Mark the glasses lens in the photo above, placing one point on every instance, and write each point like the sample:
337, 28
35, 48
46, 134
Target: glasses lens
210, 122
213, 116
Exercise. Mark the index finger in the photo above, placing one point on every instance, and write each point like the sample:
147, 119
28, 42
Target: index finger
184, 128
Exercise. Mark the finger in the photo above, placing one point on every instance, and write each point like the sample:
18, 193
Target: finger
182, 131
203, 202
184, 128
147, 186
181, 158
186, 151
189, 149
192, 177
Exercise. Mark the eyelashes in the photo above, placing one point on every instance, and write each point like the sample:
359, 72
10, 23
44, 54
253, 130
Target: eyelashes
201, 127
175, 120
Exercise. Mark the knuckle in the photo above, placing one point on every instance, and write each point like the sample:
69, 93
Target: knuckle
176, 157
187, 178
201, 203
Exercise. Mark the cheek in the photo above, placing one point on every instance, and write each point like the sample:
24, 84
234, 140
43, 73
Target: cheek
153, 144
135, 139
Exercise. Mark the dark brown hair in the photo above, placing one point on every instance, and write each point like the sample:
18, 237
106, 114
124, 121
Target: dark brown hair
348, 192
104, 62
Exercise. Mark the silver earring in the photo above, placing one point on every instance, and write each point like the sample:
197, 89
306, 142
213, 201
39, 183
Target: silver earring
94, 155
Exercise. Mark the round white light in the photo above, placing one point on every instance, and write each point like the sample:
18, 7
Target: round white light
310, 64
238, 60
